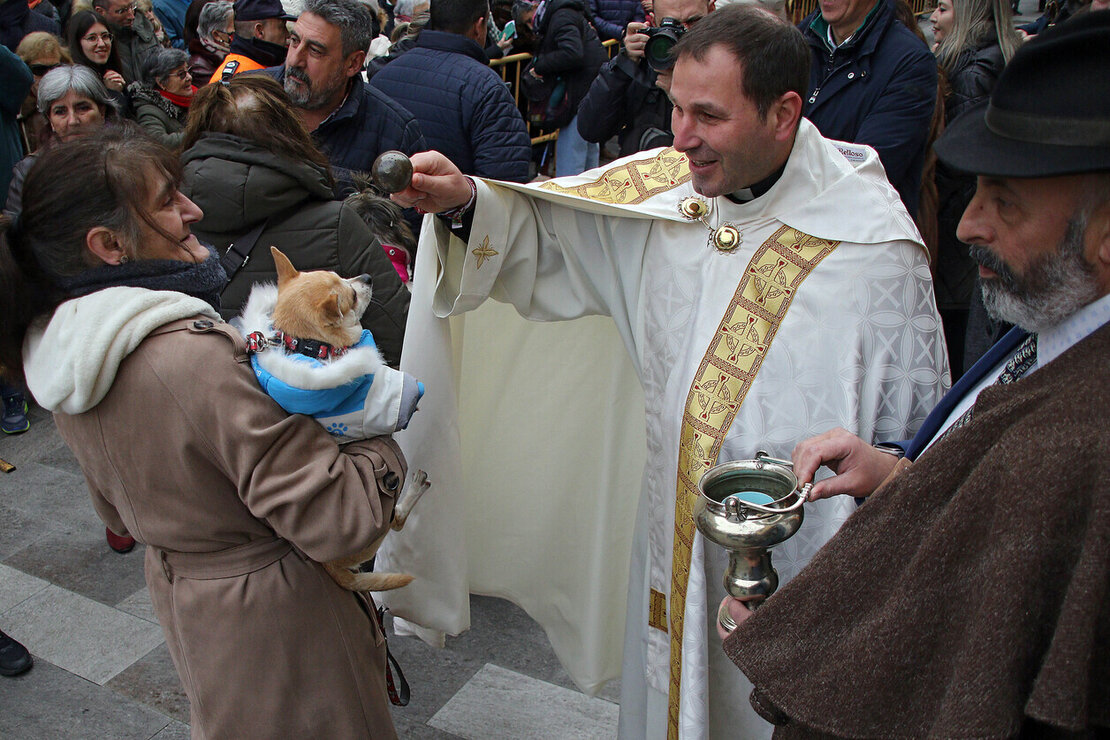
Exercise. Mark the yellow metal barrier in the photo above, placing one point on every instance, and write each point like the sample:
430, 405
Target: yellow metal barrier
510, 68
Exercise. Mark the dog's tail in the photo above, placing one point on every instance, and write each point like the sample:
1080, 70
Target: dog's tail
367, 581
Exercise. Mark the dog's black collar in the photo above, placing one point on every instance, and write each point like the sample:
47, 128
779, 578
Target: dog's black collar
258, 342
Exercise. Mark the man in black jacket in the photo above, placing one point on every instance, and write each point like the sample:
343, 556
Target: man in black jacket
462, 105
349, 120
624, 99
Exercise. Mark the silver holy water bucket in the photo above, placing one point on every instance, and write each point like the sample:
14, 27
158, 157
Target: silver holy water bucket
748, 507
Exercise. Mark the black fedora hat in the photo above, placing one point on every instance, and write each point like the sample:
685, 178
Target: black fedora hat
1049, 113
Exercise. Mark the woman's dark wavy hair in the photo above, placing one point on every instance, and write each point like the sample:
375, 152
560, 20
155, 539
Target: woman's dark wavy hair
255, 108
105, 183
79, 24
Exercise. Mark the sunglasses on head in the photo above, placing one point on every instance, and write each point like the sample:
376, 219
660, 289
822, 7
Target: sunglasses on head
38, 70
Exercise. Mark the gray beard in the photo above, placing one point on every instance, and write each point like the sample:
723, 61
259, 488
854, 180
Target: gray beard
309, 99
1053, 288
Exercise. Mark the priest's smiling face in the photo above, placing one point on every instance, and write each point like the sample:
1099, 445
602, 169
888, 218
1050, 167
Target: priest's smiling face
719, 128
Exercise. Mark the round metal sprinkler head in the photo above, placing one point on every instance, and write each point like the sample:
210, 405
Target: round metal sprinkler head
392, 171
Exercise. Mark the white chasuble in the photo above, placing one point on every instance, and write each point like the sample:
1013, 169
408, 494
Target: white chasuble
549, 489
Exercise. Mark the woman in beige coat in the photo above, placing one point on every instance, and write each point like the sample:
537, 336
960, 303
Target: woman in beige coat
113, 303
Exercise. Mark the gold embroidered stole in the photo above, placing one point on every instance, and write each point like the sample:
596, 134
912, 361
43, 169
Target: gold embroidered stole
632, 182
725, 376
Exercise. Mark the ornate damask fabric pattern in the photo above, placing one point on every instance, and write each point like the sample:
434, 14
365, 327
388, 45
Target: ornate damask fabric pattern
767, 288
858, 349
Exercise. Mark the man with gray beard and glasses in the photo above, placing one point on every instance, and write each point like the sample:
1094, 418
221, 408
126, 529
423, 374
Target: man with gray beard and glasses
970, 595
349, 120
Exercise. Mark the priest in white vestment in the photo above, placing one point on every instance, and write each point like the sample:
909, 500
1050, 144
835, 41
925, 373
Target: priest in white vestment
766, 283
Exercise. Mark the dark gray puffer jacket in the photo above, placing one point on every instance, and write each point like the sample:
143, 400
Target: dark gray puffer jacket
239, 184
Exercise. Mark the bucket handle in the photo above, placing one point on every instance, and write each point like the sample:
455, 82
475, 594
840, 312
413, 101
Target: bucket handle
736, 508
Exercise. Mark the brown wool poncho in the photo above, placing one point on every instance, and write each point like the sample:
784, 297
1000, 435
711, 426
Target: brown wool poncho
970, 597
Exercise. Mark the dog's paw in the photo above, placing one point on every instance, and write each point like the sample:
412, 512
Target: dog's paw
416, 485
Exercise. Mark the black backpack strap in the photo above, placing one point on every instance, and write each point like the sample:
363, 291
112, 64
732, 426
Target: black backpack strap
238, 253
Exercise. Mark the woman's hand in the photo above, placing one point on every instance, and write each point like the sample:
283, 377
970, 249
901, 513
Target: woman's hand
113, 80
859, 467
437, 185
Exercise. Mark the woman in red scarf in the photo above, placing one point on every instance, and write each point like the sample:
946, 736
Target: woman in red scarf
162, 99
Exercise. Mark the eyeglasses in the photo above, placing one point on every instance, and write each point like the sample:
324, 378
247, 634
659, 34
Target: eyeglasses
92, 38
182, 74
125, 10
38, 70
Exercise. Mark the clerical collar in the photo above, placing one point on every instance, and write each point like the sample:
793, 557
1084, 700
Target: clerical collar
743, 195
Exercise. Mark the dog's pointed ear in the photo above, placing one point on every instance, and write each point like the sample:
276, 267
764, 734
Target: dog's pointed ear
285, 269
329, 308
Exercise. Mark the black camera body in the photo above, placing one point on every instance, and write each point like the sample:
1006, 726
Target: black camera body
661, 39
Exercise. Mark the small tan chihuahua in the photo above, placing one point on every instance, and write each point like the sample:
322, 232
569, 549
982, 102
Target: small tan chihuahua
324, 364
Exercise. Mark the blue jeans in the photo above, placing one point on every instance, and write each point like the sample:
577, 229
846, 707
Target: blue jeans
573, 154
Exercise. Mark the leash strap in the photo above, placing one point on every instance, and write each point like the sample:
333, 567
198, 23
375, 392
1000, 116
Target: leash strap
398, 691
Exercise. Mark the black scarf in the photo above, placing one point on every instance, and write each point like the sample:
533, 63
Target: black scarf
204, 280
263, 52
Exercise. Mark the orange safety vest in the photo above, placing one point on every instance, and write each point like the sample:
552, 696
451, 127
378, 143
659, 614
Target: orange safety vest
233, 64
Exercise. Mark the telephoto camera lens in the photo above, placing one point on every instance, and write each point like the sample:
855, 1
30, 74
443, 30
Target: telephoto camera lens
661, 41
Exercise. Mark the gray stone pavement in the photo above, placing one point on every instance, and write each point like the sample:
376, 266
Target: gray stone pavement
101, 665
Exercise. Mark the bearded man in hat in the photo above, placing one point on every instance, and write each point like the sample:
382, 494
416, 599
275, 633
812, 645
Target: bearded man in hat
970, 595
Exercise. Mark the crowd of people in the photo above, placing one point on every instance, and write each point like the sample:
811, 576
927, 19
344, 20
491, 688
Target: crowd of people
829, 241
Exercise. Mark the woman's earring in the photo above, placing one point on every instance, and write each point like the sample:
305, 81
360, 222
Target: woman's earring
123, 259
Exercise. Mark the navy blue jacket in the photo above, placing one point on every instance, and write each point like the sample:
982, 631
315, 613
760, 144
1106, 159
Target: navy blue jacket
464, 109
1002, 349
365, 125
611, 17
878, 89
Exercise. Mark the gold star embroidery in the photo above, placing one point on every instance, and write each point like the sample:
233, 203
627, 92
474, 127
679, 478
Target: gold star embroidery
484, 252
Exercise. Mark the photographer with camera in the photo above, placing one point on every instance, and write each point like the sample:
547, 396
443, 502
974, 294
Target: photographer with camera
628, 99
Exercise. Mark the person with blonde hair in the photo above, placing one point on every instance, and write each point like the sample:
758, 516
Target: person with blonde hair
973, 41
42, 52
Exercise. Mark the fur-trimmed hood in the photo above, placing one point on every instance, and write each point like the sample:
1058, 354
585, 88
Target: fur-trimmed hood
143, 93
